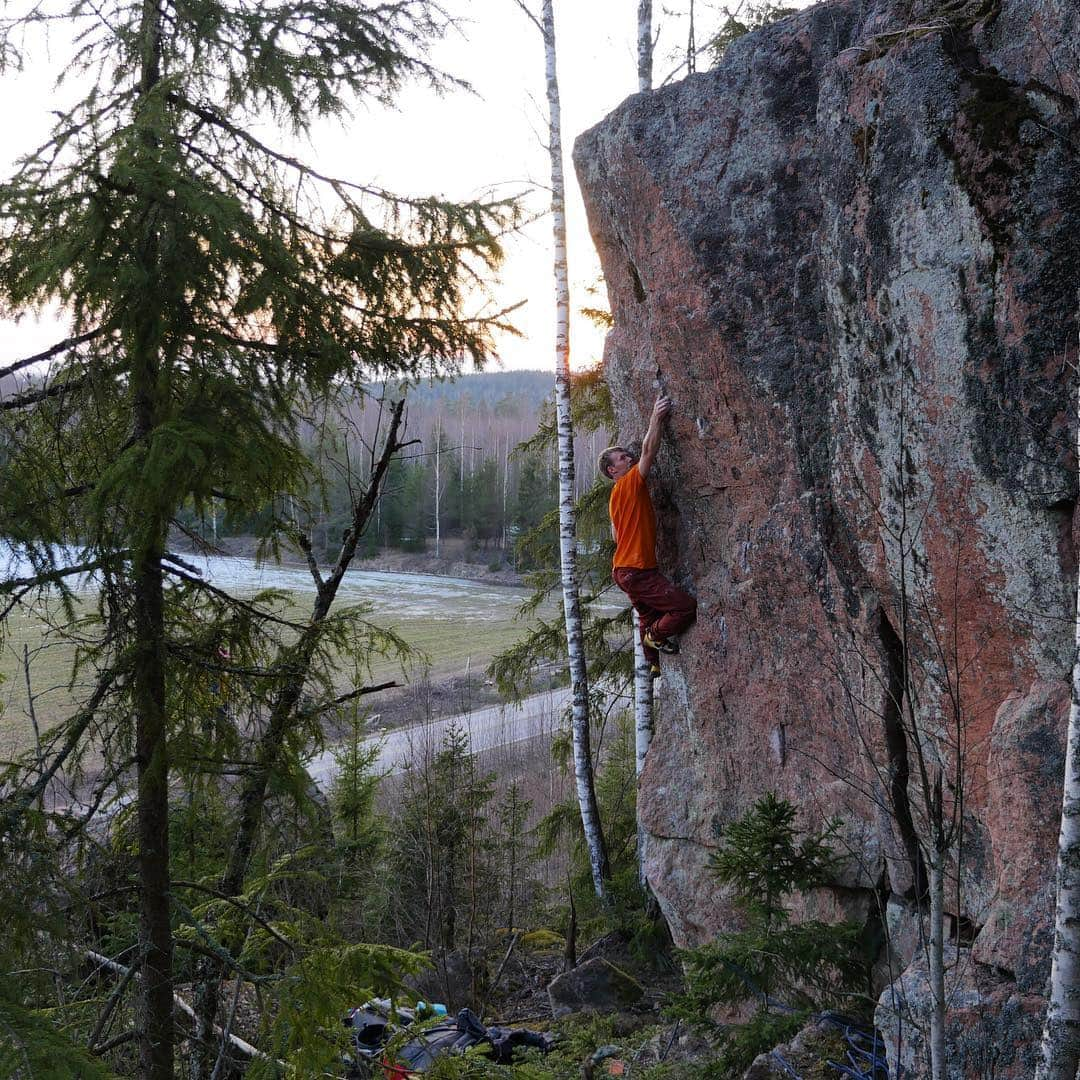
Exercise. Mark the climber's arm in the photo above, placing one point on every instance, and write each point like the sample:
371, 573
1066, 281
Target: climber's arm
651, 442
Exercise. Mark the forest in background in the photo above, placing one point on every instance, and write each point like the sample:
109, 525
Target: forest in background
469, 476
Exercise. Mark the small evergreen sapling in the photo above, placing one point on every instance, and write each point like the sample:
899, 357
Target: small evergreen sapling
789, 969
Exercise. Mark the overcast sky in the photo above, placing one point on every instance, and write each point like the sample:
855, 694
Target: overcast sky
459, 145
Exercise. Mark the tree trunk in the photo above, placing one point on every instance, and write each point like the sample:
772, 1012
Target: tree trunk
937, 963
438, 488
579, 679
152, 766
643, 733
148, 679
691, 45
505, 489
644, 45
1060, 1057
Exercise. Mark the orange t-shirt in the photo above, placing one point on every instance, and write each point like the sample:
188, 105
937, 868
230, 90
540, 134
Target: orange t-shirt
634, 522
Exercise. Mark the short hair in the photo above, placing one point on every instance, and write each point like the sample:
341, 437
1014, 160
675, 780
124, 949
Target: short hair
605, 460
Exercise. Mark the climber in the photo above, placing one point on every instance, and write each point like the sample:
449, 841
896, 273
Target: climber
664, 610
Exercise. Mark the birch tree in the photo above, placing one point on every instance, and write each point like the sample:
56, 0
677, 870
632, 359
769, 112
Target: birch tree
1060, 1051
579, 679
643, 733
438, 485
643, 688
644, 45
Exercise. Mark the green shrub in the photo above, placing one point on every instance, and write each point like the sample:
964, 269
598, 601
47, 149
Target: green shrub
789, 970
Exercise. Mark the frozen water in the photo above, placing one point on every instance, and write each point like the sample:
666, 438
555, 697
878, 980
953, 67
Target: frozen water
419, 595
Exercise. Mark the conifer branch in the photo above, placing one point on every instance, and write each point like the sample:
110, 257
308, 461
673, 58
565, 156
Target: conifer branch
35, 397
278, 209
54, 350
258, 613
58, 574
19, 587
240, 906
211, 116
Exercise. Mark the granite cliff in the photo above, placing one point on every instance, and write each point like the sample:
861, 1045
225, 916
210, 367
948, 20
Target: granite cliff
851, 253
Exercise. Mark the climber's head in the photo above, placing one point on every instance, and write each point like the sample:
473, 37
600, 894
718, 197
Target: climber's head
615, 462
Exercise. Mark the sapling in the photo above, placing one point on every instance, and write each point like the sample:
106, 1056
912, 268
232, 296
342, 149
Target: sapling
789, 969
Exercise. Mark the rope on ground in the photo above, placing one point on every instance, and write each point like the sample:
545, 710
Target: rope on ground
865, 1051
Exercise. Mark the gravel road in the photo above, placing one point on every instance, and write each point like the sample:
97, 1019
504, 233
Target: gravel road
498, 725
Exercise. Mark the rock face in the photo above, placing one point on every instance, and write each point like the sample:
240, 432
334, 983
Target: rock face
850, 254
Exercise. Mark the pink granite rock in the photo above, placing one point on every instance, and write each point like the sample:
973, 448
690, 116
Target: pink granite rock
850, 254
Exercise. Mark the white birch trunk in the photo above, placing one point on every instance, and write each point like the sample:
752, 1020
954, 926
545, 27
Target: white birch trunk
438, 489
644, 45
474, 449
691, 45
643, 733
506, 486
1060, 1056
937, 963
579, 680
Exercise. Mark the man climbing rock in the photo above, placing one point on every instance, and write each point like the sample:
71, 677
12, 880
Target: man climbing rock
664, 610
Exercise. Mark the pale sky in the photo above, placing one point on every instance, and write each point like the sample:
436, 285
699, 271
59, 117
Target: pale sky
460, 145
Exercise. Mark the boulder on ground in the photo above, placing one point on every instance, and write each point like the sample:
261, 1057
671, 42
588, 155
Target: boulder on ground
991, 1028
814, 1045
595, 986
450, 981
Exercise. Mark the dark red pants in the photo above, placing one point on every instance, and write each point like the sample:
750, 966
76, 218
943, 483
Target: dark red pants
662, 607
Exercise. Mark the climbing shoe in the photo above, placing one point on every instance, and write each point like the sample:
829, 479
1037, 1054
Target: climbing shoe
660, 644
654, 671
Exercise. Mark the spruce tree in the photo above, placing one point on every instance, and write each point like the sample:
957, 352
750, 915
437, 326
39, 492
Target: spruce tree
787, 968
214, 283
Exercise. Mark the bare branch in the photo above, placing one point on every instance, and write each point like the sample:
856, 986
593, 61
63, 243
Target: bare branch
106, 1014
183, 1006
524, 8
352, 695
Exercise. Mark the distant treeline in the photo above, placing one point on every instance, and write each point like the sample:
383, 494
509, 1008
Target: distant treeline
462, 479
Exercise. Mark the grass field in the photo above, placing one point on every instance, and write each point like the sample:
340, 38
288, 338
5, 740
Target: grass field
454, 624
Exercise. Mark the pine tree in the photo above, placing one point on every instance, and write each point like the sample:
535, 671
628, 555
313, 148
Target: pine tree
746, 17
787, 968
214, 283
443, 853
